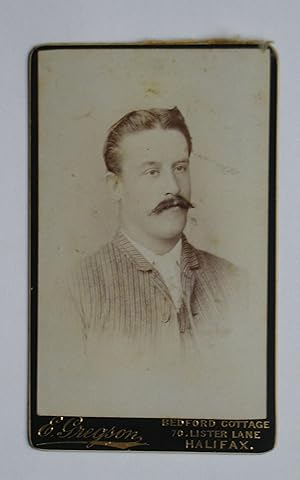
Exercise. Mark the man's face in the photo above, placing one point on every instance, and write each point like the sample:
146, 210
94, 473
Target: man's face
155, 167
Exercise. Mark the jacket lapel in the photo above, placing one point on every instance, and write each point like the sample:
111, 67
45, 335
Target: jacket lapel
141, 263
189, 266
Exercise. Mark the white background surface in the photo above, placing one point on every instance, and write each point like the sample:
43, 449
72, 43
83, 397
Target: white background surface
25, 24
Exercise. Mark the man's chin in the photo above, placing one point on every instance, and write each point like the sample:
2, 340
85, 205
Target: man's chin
170, 229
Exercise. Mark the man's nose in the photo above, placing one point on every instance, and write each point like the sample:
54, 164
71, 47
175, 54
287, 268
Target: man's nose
171, 186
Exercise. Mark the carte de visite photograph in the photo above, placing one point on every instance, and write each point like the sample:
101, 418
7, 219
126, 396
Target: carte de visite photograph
153, 243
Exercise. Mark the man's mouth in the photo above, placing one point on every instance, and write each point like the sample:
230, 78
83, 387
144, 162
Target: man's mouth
175, 205
175, 202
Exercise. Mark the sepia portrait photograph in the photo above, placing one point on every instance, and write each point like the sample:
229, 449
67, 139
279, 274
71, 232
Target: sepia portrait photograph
152, 211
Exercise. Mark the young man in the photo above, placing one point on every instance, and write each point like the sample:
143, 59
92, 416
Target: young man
150, 286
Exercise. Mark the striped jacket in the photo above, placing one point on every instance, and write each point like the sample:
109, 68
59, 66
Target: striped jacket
119, 347
117, 293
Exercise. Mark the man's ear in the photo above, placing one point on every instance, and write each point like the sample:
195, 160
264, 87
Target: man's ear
113, 182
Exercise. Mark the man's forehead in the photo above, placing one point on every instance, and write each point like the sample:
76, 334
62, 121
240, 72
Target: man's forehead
152, 145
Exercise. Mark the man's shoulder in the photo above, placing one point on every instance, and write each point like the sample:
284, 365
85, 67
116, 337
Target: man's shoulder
215, 262
221, 276
93, 268
104, 252
215, 265
101, 259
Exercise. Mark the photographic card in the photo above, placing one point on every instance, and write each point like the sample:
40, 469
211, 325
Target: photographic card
152, 247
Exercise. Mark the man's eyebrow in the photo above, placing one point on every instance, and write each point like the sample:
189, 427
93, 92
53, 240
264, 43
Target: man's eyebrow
184, 160
149, 164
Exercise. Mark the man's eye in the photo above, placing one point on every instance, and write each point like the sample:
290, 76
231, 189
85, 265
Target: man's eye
152, 172
180, 168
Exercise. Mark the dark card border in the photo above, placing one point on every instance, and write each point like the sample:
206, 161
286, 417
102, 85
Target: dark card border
143, 434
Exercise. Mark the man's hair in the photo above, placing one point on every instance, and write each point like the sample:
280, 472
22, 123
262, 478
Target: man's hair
138, 121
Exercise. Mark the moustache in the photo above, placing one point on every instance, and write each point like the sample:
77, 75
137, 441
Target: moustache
177, 201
